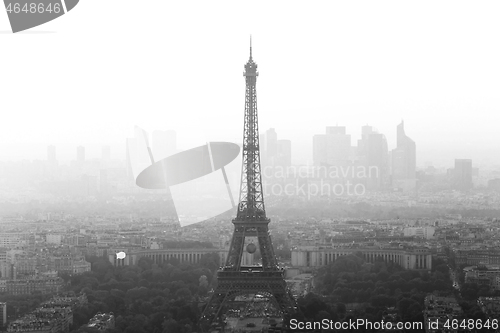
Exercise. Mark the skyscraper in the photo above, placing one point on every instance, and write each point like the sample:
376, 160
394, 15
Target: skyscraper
164, 144
373, 152
335, 130
404, 161
463, 174
366, 130
80, 154
274, 152
332, 148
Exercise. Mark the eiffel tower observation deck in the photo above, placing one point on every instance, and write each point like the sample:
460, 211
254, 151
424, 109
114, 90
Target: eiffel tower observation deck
250, 227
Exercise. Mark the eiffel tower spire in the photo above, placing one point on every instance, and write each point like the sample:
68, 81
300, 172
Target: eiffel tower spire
250, 47
251, 203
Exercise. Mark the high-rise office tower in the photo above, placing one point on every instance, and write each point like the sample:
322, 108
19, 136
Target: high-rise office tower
51, 155
332, 148
404, 161
374, 157
335, 130
80, 154
463, 174
274, 152
164, 144
366, 130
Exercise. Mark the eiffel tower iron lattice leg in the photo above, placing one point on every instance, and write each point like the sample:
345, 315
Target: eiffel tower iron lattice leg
242, 280
230, 286
235, 279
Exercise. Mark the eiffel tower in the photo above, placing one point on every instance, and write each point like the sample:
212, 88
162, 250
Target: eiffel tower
234, 278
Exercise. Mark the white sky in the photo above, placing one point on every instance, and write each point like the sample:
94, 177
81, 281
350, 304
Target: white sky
109, 65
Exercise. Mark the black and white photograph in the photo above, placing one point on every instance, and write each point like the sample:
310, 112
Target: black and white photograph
249, 166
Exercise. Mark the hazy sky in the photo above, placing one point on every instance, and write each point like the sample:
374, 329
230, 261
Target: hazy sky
109, 65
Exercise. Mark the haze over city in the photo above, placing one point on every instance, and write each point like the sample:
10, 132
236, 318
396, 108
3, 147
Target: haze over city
326, 64
227, 167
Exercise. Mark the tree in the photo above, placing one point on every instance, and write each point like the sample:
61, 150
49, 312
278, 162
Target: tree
349, 263
85, 329
138, 293
210, 261
183, 293
383, 301
101, 266
171, 326
203, 287
312, 305
145, 263
403, 305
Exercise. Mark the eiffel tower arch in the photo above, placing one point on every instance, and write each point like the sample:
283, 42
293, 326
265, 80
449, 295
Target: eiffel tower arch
250, 227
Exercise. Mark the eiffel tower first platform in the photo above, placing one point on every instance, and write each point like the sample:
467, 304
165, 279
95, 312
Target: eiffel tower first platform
250, 223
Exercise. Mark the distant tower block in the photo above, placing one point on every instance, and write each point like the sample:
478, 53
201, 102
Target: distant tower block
251, 222
463, 174
404, 161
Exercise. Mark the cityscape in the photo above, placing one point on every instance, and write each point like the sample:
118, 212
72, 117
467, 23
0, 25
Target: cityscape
362, 232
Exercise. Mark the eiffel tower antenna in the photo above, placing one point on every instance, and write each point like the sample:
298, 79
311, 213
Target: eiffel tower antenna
250, 47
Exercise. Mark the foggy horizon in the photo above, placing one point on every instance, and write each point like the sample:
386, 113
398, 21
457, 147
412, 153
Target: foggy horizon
302, 147
323, 65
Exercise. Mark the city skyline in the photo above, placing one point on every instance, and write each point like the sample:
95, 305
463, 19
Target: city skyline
348, 66
301, 149
274, 152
